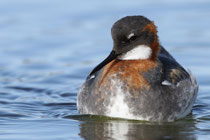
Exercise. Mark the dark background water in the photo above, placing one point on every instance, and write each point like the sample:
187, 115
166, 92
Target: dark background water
47, 48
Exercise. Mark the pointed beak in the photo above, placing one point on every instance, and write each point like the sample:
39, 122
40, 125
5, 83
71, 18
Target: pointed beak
111, 57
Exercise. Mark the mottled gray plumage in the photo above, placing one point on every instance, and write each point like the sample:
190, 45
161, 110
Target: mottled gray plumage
171, 93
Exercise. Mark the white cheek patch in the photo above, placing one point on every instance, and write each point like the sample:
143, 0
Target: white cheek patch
139, 52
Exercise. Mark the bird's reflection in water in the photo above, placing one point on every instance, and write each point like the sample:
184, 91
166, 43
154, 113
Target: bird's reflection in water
91, 129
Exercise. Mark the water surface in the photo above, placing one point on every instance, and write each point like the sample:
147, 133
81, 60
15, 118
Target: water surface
47, 48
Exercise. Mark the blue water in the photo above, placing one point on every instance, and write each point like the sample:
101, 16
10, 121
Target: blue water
47, 48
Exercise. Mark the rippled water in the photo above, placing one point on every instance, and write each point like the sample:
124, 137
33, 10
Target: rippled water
47, 48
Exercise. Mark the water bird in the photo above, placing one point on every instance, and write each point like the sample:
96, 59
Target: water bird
139, 80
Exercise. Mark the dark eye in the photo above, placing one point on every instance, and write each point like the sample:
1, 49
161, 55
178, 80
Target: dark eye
132, 38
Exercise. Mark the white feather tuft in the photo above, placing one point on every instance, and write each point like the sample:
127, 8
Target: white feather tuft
166, 83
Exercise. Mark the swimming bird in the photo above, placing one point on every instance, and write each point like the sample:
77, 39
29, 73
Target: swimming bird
139, 80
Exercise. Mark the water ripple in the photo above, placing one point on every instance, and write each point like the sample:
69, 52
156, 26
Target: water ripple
47, 49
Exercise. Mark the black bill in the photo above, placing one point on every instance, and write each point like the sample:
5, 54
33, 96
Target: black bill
111, 57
